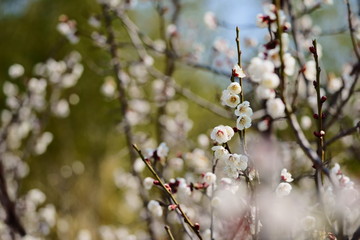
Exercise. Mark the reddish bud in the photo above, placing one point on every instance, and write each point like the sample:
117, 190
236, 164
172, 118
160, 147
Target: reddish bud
312, 50
172, 207
148, 161
235, 129
323, 99
323, 115
316, 116
167, 186
156, 182
302, 70
315, 84
316, 134
197, 226
271, 45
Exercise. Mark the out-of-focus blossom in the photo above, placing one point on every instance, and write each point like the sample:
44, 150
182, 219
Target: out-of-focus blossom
310, 70
270, 80
283, 189
275, 108
16, 70
148, 183
308, 223
61, 108
209, 178
108, 88
210, 20
258, 68
286, 176
264, 93
162, 150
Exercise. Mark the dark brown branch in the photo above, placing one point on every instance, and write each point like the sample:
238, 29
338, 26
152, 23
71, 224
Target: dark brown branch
343, 134
12, 219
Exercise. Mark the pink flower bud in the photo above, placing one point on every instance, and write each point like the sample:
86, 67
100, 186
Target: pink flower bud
172, 207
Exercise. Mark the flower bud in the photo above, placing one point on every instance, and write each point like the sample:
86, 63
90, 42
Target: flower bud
315, 84
197, 226
323, 99
172, 207
312, 50
316, 134
316, 116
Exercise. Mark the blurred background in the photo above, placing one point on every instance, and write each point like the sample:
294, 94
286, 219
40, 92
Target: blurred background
77, 171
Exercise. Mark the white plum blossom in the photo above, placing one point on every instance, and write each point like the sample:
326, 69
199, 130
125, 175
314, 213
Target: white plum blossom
203, 140
310, 70
263, 125
43, 142
220, 152
176, 163
270, 80
286, 176
16, 70
275, 108
155, 208
171, 30
237, 71
183, 188
222, 134
243, 122
148, 183
264, 93
234, 88
231, 171
238, 161
308, 223
209, 178
162, 150
259, 67
220, 45
334, 84
10, 89
305, 122
139, 165
61, 108
230, 99
290, 63
283, 189
210, 20
244, 109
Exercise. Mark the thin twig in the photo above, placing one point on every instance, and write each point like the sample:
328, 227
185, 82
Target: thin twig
168, 231
343, 134
168, 191
124, 106
351, 28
